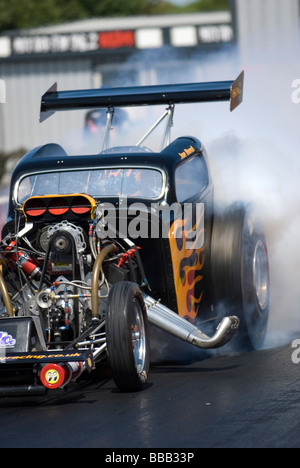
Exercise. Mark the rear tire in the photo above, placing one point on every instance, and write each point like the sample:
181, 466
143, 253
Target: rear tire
240, 273
128, 337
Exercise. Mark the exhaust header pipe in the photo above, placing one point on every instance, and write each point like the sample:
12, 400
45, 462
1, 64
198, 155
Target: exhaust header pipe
164, 318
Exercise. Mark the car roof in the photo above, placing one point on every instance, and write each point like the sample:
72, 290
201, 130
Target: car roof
52, 157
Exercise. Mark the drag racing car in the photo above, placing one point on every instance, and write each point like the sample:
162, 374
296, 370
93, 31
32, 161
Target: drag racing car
97, 247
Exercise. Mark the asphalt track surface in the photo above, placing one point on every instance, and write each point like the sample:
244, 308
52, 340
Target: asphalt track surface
232, 400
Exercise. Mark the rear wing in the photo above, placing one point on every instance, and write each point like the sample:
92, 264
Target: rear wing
54, 100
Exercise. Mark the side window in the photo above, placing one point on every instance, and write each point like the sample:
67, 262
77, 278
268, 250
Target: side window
191, 179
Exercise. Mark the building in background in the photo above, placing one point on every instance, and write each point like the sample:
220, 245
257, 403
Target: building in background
267, 28
94, 53
129, 51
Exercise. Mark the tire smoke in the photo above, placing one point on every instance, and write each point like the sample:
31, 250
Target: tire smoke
254, 156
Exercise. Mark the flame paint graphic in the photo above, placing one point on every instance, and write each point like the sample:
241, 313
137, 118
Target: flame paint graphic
188, 262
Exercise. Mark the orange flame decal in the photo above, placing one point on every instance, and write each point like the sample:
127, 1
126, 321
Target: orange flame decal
188, 262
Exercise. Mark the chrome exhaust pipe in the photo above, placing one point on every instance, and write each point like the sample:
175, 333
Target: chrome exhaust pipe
164, 318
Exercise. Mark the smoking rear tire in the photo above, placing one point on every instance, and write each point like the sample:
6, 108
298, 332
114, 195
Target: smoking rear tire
128, 337
240, 272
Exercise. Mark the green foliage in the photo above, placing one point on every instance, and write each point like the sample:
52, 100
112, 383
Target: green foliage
17, 14
206, 5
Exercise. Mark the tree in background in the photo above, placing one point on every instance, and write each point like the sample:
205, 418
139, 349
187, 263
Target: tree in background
205, 5
17, 14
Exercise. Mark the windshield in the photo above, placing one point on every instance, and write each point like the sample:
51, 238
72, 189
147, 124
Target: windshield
114, 182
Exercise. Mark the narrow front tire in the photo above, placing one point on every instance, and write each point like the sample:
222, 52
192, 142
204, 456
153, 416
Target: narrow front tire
128, 337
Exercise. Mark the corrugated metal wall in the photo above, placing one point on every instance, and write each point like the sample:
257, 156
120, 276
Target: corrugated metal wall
267, 27
26, 82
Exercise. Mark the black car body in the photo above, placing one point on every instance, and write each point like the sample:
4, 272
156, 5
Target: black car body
97, 246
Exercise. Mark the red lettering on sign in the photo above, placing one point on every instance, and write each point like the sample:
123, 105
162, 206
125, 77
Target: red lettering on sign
116, 39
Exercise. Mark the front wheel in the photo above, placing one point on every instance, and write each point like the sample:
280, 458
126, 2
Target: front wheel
127, 337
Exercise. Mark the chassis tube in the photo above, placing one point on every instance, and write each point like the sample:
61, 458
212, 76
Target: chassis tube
5, 296
95, 277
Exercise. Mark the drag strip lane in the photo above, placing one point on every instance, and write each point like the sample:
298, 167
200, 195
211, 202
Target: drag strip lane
247, 400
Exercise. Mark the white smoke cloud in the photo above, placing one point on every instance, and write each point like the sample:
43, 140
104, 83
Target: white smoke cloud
257, 159
254, 155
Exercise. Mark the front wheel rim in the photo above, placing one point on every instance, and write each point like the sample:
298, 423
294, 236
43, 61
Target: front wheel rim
138, 336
